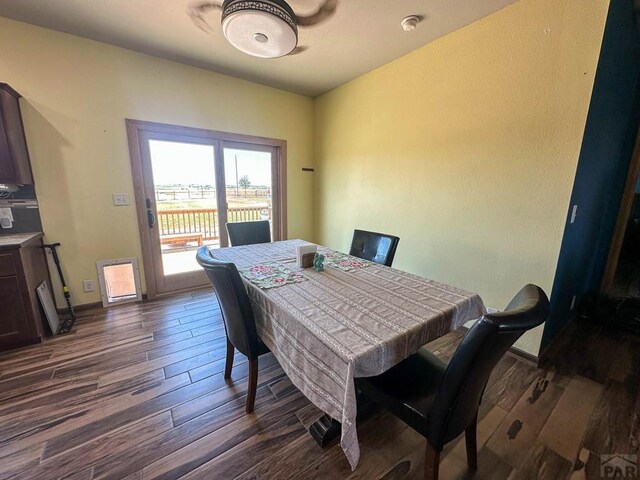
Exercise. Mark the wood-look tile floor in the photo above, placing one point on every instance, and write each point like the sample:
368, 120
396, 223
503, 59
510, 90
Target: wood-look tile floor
137, 392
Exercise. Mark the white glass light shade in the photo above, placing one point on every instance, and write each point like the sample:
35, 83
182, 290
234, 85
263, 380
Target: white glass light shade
259, 33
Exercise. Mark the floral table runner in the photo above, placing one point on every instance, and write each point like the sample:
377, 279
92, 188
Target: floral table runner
342, 261
271, 274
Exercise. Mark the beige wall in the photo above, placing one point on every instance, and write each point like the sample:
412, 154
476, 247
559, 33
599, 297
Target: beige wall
466, 148
77, 94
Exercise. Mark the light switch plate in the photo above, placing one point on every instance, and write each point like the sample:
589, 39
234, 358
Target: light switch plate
120, 199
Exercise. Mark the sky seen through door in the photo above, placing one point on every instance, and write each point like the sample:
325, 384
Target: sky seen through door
176, 163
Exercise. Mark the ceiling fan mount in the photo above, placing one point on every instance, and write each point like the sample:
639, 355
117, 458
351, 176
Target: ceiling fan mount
261, 28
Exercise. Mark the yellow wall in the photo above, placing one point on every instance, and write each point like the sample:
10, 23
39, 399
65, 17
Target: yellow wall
77, 94
466, 148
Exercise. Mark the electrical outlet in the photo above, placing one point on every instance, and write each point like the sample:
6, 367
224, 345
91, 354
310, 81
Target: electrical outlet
6, 218
120, 199
6, 212
88, 286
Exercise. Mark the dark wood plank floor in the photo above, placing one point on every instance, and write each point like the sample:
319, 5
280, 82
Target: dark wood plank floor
137, 392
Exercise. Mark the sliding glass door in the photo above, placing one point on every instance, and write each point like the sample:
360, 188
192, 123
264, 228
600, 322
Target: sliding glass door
189, 184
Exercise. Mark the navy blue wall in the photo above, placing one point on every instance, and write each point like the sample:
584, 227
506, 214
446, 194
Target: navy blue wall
605, 154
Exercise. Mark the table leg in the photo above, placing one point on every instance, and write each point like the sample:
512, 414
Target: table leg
327, 428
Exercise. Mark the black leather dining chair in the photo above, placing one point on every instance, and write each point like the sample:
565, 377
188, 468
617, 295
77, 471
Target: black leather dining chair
377, 247
239, 322
441, 401
248, 233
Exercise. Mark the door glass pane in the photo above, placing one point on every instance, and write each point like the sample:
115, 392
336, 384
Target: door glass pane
248, 179
185, 196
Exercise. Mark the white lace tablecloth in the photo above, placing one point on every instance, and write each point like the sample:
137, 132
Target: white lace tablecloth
337, 325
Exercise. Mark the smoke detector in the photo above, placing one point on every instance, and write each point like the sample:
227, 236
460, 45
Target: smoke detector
410, 23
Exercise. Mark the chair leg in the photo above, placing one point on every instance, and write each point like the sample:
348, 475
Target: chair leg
431, 463
472, 447
253, 384
229, 363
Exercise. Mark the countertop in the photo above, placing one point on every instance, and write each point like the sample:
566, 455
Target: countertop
18, 239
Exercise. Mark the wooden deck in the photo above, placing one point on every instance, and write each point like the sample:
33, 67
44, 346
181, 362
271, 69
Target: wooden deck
137, 392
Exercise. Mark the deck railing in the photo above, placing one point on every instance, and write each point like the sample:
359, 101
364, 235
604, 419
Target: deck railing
167, 194
205, 220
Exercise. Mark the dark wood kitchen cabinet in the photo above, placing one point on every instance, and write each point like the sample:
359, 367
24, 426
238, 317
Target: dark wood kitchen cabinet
15, 167
22, 268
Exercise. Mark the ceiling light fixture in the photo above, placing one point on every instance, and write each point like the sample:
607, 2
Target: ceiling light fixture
410, 23
262, 28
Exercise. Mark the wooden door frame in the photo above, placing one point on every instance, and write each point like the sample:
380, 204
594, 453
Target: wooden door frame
626, 205
138, 129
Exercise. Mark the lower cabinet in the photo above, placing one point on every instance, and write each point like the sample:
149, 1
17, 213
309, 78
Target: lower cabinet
22, 269
14, 327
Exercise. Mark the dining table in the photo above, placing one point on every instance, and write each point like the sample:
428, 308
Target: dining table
355, 318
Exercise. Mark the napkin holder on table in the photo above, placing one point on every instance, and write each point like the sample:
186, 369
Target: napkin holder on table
305, 254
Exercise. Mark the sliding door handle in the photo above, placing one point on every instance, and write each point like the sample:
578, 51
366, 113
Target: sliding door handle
151, 218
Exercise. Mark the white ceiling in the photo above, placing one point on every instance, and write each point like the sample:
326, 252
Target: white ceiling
361, 36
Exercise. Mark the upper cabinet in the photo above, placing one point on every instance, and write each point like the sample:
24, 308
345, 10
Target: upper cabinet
14, 156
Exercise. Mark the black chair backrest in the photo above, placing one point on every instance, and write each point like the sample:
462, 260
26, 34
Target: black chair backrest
247, 233
237, 313
483, 346
377, 247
